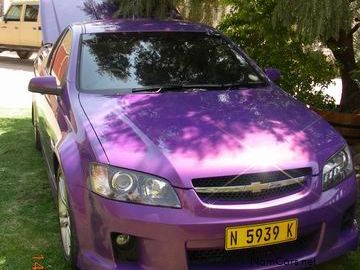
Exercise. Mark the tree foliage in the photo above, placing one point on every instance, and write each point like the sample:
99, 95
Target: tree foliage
205, 11
146, 8
250, 25
333, 23
315, 19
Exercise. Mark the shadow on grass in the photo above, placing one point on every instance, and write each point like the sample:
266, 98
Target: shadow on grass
28, 223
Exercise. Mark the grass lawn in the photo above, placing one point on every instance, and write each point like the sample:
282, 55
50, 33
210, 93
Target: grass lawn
28, 218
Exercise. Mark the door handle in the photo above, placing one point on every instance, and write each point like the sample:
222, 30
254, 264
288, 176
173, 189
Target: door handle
4, 27
34, 28
16, 28
39, 28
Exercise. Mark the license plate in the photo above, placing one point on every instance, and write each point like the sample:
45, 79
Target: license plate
261, 234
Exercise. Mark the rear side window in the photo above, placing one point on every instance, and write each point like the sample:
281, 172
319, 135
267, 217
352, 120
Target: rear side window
14, 13
31, 13
60, 60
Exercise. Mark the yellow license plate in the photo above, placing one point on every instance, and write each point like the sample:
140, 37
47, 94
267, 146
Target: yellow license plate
261, 234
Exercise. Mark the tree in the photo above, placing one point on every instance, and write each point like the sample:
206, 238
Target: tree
333, 23
205, 11
250, 25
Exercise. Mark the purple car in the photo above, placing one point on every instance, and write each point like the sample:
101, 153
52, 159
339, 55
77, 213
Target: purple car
167, 148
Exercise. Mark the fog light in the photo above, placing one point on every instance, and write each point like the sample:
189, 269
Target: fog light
125, 247
122, 239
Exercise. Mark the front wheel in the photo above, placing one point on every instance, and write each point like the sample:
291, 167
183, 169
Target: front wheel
66, 221
37, 138
36, 132
24, 54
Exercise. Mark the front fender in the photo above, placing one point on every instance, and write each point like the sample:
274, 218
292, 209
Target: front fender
74, 159
71, 163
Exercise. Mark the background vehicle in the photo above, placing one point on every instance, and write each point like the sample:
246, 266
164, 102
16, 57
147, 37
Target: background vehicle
20, 28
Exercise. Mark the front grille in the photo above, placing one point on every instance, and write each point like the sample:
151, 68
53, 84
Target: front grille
210, 189
249, 196
249, 257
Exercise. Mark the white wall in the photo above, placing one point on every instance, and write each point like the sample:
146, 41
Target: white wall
6, 5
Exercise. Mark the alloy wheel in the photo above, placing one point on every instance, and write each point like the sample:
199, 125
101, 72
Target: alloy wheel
64, 217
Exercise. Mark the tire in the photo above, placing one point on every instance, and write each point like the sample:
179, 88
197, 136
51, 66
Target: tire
24, 54
66, 222
37, 140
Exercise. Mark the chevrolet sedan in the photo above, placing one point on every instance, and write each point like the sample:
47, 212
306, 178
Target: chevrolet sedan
167, 148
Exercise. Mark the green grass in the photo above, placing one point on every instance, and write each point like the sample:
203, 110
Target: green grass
28, 219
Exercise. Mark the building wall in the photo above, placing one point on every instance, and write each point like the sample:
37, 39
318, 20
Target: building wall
1, 7
4, 4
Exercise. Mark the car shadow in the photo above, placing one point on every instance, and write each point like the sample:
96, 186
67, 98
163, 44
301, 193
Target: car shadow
12, 63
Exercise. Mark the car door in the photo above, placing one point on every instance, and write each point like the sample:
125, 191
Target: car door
30, 34
49, 109
10, 27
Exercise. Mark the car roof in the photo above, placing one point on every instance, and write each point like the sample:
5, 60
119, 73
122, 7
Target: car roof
143, 25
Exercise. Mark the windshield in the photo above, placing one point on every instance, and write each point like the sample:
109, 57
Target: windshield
122, 62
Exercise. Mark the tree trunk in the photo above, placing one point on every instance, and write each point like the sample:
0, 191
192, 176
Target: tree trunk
343, 50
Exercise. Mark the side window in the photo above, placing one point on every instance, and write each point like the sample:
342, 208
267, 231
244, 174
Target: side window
14, 13
31, 13
60, 60
54, 48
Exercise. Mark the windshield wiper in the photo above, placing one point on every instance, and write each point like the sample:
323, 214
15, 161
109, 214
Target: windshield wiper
158, 89
195, 87
244, 84
174, 87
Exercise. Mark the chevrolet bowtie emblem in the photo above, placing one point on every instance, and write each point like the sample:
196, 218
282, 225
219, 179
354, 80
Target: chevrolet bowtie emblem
257, 187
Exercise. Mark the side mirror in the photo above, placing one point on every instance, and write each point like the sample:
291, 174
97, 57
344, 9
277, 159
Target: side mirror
273, 73
44, 85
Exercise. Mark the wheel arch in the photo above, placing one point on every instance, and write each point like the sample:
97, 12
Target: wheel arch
67, 157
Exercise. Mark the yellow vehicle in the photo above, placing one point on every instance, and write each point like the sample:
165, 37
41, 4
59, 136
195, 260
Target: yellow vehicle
20, 28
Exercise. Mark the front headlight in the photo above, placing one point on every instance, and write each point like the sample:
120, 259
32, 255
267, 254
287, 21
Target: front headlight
337, 168
130, 186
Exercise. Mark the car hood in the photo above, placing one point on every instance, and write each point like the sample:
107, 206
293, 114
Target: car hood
182, 136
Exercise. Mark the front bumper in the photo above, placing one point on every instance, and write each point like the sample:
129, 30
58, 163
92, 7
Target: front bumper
181, 239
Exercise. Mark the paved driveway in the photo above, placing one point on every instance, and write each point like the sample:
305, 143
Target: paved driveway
14, 78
